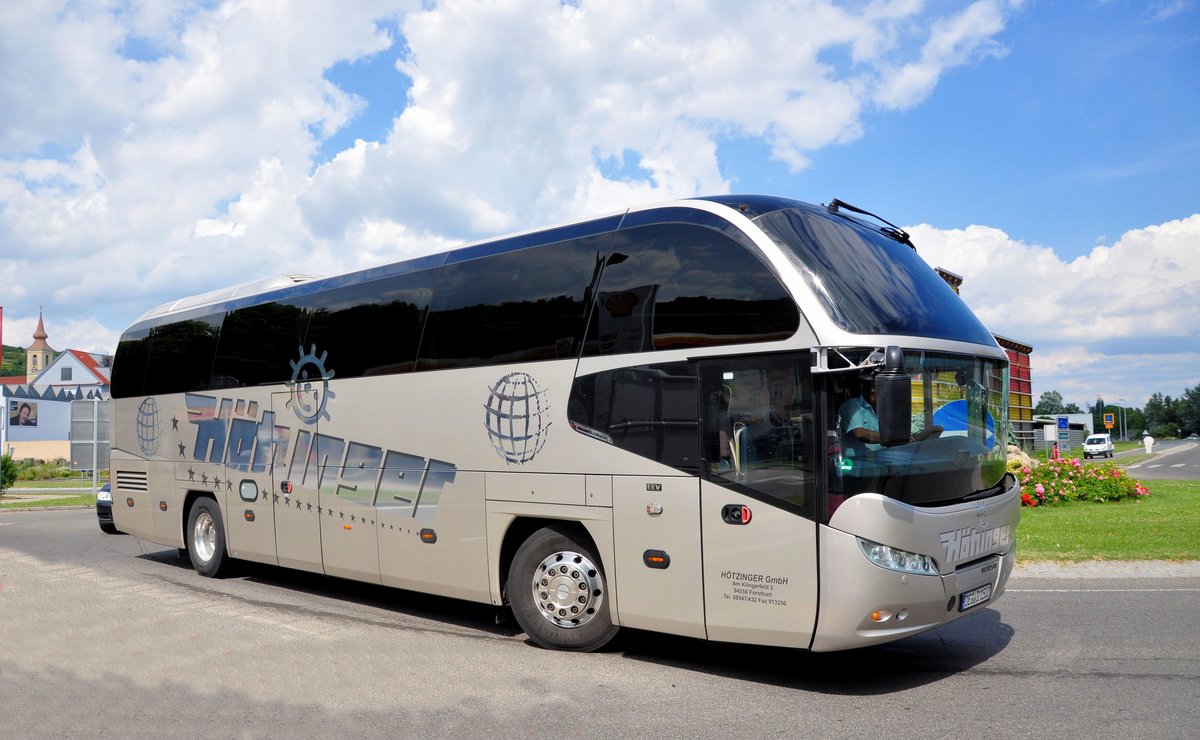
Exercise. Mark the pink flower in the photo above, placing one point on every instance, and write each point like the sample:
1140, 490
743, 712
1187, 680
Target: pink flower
1040, 489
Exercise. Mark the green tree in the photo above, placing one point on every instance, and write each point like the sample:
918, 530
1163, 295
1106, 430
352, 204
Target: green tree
1097, 409
1072, 408
1155, 412
8, 473
1135, 422
1189, 411
1050, 402
1164, 415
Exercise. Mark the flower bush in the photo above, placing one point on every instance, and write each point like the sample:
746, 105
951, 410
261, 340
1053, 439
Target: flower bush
1055, 481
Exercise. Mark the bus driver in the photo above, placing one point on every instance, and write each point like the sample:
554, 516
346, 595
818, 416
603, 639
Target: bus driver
858, 423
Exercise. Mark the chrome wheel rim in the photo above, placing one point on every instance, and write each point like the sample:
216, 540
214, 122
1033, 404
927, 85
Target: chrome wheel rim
568, 589
204, 537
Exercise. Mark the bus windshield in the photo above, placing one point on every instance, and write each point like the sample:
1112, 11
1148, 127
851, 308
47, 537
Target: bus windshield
868, 283
959, 432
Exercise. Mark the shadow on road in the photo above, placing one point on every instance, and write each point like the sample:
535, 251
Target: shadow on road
898, 666
881, 669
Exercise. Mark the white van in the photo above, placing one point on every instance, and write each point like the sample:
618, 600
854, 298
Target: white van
1098, 445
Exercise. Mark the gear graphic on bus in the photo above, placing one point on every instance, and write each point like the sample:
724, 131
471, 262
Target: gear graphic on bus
516, 418
308, 399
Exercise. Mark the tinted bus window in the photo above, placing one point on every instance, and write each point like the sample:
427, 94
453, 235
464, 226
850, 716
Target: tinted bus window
511, 307
181, 355
371, 328
129, 364
648, 410
671, 286
258, 345
869, 283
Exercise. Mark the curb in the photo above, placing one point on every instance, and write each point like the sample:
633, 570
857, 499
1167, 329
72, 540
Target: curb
45, 508
1108, 569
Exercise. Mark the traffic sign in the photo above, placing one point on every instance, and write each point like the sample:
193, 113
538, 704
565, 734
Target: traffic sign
1108, 421
1062, 422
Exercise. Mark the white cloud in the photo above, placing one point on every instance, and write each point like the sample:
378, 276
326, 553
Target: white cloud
952, 42
154, 150
1098, 324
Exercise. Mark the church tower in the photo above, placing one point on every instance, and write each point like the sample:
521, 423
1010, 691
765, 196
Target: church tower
39, 355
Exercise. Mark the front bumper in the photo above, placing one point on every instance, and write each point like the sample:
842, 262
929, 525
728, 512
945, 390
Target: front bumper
863, 604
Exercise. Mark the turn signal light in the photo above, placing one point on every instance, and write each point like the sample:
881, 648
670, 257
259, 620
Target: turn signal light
657, 559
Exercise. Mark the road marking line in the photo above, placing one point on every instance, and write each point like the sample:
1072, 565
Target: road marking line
1178, 465
1099, 590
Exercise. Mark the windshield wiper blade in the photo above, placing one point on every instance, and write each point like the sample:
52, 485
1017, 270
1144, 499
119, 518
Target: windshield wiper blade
891, 229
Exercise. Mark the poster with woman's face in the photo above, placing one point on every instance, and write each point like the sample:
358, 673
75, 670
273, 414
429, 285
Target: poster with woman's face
22, 413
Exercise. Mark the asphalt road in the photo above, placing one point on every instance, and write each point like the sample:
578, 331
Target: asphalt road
110, 636
1173, 460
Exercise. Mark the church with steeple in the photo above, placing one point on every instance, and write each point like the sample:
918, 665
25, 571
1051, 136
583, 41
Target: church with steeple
36, 422
39, 355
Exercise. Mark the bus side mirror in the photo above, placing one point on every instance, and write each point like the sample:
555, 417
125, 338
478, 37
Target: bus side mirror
893, 400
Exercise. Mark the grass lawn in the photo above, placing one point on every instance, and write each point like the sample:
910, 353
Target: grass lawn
82, 499
1163, 526
57, 483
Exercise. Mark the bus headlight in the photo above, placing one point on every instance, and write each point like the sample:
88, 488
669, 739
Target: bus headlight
898, 560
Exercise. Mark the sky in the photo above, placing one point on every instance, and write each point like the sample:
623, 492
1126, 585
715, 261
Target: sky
1048, 152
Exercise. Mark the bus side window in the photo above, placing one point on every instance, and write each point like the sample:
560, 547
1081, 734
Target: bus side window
129, 365
511, 307
259, 343
372, 328
181, 355
648, 410
676, 285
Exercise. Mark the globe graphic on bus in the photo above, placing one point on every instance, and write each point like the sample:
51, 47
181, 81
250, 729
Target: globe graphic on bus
148, 427
516, 418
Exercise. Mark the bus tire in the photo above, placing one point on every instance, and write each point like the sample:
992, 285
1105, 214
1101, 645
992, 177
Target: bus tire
206, 538
558, 592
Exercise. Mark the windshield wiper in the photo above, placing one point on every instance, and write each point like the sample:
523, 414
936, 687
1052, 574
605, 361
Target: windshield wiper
1000, 487
891, 229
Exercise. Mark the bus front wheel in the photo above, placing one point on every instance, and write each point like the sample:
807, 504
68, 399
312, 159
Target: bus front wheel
206, 538
558, 593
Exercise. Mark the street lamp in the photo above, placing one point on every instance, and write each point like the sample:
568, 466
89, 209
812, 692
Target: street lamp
1124, 428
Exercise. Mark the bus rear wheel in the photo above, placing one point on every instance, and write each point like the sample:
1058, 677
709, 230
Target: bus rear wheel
558, 593
206, 538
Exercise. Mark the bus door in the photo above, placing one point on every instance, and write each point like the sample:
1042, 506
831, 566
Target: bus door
650, 411
758, 499
249, 511
295, 486
349, 532
657, 543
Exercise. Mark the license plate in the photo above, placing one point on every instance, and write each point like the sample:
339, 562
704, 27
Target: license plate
975, 597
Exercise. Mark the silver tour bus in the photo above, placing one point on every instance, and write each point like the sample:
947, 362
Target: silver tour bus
745, 419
